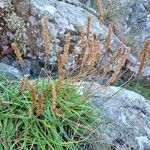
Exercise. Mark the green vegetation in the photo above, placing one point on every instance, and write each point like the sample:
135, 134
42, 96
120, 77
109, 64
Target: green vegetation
21, 128
140, 87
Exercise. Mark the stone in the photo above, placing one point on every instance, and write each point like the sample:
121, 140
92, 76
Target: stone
125, 116
65, 16
31, 68
131, 18
137, 13
146, 73
4, 4
8, 72
25, 69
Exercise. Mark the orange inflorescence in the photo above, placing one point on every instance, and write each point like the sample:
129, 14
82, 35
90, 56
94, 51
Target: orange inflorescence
54, 97
94, 52
17, 52
46, 37
88, 25
143, 55
24, 83
39, 105
60, 70
33, 93
108, 40
61, 60
121, 62
100, 10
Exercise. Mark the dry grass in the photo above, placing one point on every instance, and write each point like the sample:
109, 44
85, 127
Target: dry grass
61, 61
91, 48
94, 53
90, 53
60, 70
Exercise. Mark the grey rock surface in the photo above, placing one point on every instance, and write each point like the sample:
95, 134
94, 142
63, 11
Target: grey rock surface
138, 21
146, 73
65, 16
8, 72
133, 21
125, 116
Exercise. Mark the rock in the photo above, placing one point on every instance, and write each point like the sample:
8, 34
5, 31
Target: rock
64, 16
146, 73
133, 21
31, 68
25, 69
125, 116
9, 72
4, 4
133, 66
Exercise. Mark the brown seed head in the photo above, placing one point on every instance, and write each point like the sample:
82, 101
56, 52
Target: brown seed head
108, 40
118, 67
66, 48
39, 105
46, 37
94, 53
24, 83
60, 70
88, 25
100, 10
54, 97
17, 52
33, 93
142, 56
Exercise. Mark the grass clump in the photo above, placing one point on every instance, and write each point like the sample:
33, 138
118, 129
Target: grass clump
22, 128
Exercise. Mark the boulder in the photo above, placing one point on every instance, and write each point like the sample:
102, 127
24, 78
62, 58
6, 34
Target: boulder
133, 21
64, 17
125, 117
136, 18
23, 24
